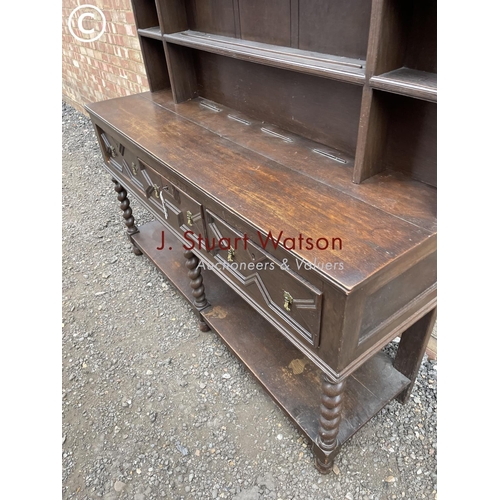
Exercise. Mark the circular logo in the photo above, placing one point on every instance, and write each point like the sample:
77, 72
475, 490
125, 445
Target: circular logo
87, 12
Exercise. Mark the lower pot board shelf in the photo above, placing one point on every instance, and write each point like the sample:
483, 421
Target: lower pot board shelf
283, 371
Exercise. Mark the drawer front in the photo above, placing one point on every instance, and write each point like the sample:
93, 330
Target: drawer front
278, 292
112, 150
122, 161
115, 153
181, 211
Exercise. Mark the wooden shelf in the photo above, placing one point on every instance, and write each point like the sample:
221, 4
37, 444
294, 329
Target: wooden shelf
283, 371
392, 192
151, 33
314, 63
408, 82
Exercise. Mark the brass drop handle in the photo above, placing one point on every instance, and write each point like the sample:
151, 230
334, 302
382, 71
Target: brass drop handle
230, 254
157, 190
134, 168
189, 216
288, 301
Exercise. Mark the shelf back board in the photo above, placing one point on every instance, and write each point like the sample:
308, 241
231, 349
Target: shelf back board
212, 16
421, 48
322, 110
411, 145
145, 13
153, 53
337, 27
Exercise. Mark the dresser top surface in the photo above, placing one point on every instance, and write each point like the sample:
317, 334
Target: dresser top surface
377, 225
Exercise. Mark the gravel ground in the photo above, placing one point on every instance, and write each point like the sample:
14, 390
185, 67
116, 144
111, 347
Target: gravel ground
153, 408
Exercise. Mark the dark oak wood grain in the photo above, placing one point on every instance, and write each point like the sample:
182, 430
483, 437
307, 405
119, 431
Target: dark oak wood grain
261, 193
335, 39
338, 353
145, 14
330, 418
270, 94
404, 35
409, 82
421, 49
198, 289
154, 32
387, 40
305, 132
264, 21
372, 136
391, 192
294, 23
335, 27
401, 60
292, 381
127, 213
173, 16
336, 67
156, 65
411, 144
211, 16
184, 82
392, 141
411, 350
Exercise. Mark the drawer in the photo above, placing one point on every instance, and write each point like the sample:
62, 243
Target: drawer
173, 205
122, 160
279, 293
112, 150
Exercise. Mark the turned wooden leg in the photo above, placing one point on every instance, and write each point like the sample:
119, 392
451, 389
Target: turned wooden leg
194, 273
327, 445
411, 350
127, 214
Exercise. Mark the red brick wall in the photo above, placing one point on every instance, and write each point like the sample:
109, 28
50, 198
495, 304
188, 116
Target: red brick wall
109, 67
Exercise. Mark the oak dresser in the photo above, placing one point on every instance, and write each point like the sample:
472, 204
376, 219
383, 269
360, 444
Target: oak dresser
287, 151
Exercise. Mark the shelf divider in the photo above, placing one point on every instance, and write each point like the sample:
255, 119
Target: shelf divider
371, 138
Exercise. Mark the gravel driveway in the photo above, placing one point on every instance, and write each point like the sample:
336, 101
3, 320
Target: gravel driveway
153, 408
